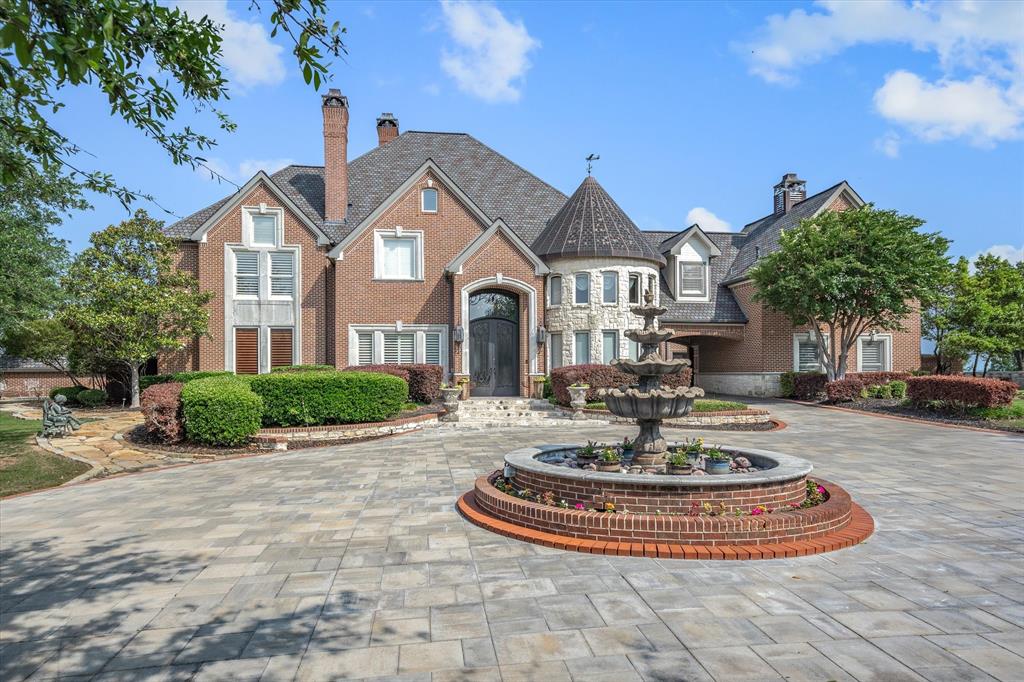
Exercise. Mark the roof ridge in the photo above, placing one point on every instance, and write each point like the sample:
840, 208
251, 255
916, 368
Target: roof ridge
813, 196
532, 175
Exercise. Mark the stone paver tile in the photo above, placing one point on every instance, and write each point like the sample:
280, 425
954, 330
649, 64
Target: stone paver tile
18, 660
403, 577
916, 652
478, 652
866, 662
353, 663
549, 671
569, 612
789, 629
540, 646
281, 668
242, 669
429, 656
458, 622
492, 674
213, 648
995, 661
303, 584
402, 631
171, 673
617, 639
512, 589
430, 596
512, 609
961, 621
512, 627
622, 608
800, 662
669, 666
610, 668
885, 623
708, 631
735, 664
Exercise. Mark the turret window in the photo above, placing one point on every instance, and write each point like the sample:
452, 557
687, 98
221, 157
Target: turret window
634, 288
555, 290
610, 287
582, 287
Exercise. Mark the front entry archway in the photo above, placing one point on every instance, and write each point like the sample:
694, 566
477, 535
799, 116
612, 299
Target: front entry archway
494, 343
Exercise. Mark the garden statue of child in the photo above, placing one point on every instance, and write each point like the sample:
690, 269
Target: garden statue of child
57, 419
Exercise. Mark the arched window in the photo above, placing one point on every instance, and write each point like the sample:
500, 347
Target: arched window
428, 200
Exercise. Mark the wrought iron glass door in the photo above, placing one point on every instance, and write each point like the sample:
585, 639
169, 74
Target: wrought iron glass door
494, 343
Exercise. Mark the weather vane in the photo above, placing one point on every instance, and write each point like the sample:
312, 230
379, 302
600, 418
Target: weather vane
590, 161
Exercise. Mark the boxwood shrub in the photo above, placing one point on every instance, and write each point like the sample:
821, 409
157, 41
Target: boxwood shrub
92, 397
69, 392
307, 398
154, 379
185, 377
304, 368
959, 392
602, 376
220, 410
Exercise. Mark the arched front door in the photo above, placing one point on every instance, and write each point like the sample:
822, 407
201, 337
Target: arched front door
494, 343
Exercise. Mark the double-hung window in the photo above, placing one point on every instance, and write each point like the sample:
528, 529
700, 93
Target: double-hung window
282, 274
428, 200
247, 274
609, 345
582, 348
264, 230
610, 287
555, 290
634, 288
693, 279
582, 287
398, 255
555, 348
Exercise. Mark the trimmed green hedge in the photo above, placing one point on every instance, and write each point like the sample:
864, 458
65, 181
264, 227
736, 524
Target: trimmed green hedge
304, 398
220, 410
69, 392
92, 397
181, 377
304, 368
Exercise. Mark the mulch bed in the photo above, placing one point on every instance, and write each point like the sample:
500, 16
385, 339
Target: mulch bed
894, 407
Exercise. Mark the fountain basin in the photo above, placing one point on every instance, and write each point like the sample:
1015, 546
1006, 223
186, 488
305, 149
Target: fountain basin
665, 403
651, 366
650, 336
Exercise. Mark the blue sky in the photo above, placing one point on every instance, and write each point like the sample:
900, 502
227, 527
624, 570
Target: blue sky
695, 114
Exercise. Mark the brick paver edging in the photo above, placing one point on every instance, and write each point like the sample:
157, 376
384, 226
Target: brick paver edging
858, 527
278, 438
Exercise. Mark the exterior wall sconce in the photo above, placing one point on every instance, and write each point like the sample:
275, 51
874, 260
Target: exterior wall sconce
459, 334
542, 335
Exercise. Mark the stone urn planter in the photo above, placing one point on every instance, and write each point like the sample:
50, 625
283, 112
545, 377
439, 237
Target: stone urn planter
450, 400
578, 400
538, 388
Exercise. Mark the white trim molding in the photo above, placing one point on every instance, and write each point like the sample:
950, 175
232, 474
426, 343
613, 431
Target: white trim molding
455, 267
810, 338
378, 253
887, 338
531, 316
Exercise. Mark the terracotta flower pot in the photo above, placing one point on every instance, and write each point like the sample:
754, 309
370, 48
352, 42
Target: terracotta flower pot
609, 466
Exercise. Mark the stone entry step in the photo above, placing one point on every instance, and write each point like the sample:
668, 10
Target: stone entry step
511, 411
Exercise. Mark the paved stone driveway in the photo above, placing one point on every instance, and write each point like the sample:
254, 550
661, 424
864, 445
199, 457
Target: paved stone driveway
349, 562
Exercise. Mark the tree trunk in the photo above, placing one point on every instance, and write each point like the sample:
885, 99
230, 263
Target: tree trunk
984, 369
974, 369
1018, 357
135, 385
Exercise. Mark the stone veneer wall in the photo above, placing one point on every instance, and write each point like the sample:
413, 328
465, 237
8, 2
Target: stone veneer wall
596, 316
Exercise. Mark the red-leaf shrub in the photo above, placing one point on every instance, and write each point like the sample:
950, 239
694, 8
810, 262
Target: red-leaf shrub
961, 391
844, 390
880, 378
808, 385
424, 380
603, 376
161, 406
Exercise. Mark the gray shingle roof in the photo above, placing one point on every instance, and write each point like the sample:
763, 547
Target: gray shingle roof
13, 363
592, 224
762, 236
498, 186
722, 306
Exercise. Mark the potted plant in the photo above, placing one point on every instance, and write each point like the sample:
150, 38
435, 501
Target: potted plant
716, 461
628, 448
678, 464
586, 454
610, 460
538, 387
463, 383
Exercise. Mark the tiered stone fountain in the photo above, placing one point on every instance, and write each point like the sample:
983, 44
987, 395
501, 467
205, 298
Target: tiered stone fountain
648, 402
543, 495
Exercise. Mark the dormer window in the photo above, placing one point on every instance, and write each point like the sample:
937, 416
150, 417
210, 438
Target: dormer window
428, 200
693, 279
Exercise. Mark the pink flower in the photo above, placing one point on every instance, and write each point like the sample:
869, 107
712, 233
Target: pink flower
757, 511
579, 506
821, 490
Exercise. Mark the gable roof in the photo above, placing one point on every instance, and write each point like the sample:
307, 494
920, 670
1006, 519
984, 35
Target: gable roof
501, 188
499, 225
762, 235
592, 224
692, 232
721, 306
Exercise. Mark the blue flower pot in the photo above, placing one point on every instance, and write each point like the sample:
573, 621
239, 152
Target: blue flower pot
717, 466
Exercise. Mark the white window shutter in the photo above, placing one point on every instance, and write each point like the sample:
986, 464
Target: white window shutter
433, 349
282, 273
247, 273
365, 344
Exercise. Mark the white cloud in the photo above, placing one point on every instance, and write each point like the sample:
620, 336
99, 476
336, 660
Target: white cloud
248, 53
976, 109
889, 144
706, 219
490, 55
1014, 254
244, 170
980, 95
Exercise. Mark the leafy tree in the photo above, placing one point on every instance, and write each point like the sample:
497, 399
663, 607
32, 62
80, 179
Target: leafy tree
943, 313
114, 45
32, 258
46, 340
846, 272
988, 312
128, 301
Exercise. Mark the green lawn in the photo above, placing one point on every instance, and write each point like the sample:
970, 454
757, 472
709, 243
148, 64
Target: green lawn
24, 467
1012, 414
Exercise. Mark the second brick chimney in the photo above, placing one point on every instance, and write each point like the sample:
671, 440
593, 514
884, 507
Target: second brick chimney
335, 109
387, 128
789, 192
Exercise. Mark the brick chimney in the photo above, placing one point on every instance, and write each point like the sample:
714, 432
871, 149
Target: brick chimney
335, 109
790, 191
387, 128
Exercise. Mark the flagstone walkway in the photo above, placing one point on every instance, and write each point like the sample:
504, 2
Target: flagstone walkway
350, 562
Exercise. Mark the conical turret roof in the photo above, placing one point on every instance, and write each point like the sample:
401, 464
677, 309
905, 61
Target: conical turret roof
592, 224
